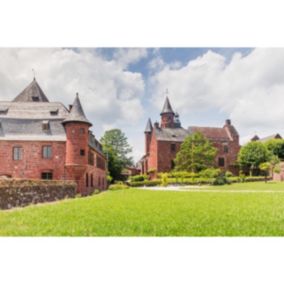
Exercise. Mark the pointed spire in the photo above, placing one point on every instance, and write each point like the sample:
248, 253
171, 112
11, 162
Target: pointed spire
77, 113
167, 108
32, 93
149, 126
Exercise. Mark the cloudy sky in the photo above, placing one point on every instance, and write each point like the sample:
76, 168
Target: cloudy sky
123, 87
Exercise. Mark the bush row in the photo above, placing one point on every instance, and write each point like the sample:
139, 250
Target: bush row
197, 181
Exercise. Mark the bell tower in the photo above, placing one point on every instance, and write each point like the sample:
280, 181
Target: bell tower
167, 115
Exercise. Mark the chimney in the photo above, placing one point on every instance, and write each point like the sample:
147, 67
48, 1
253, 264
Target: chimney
70, 107
228, 122
156, 124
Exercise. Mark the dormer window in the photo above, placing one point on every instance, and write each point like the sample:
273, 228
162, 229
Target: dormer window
54, 112
3, 111
45, 125
35, 98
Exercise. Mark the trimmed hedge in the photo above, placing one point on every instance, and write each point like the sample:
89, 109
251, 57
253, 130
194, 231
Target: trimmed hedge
195, 181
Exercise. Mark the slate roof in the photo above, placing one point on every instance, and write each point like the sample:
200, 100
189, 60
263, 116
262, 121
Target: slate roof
23, 119
212, 133
171, 134
31, 129
149, 126
32, 93
77, 113
167, 108
273, 136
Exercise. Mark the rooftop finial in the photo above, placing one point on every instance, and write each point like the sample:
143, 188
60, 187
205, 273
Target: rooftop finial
33, 70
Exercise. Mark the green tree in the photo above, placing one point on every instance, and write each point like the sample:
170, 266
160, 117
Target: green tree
265, 167
252, 155
276, 146
117, 150
196, 154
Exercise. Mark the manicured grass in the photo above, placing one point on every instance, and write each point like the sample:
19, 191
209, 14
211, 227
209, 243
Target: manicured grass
136, 212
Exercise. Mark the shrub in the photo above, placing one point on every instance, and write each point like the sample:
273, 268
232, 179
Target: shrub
228, 174
164, 179
210, 173
118, 186
145, 183
221, 180
138, 178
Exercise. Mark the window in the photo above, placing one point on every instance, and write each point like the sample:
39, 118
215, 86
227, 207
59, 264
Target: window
46, 152
172, 164
54, 112
173, 147
226, 149
82, 130
100, 163
92, 180
17, 153
35, 99
82, 152
99, 181
46, 175
91, 158
221, 162
45, 125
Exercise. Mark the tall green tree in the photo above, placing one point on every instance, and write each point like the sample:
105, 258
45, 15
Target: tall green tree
252, 155
117, 150
196, 154
276, 146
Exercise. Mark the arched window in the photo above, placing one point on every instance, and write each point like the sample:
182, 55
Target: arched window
92, 180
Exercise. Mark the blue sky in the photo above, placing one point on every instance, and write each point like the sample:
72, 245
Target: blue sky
123, 87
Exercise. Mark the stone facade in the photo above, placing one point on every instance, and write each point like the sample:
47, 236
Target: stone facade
44, 140
163, 141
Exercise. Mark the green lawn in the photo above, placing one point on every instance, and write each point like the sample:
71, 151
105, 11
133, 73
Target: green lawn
230, 211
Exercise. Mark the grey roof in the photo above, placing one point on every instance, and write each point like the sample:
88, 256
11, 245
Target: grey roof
95, 144
171, 134
33, 110
273, 136
167, 108
77, 113
32, 93
149, 126
31, 130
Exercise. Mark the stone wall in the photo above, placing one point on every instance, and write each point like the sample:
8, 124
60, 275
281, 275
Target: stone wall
20, 193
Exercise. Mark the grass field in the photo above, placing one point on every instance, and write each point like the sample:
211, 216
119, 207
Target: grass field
248, 209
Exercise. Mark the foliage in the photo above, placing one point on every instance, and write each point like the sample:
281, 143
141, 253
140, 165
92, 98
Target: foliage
210, 173
196, 154
276, 147
117, 150
145, 183
252, 155
225, 211
151, 171
228, 174
109, 179
164, 179
118, 186
138, 178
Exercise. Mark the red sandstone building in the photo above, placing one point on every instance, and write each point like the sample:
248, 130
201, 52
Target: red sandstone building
162, 142
45, 140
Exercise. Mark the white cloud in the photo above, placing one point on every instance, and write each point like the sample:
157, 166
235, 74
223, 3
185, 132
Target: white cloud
126, 56
109, 94
249, 90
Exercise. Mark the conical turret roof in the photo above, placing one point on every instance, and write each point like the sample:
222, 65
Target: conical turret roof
77, 113
32, 93
167, 108
149, 126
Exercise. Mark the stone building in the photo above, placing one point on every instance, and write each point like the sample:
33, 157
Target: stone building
162, 142
45, 140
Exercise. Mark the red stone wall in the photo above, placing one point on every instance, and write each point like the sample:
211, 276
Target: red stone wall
32, 164
166, 155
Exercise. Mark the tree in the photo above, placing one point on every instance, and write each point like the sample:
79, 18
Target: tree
276, 146
252, 155
265, 167
196, 154
117, 150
